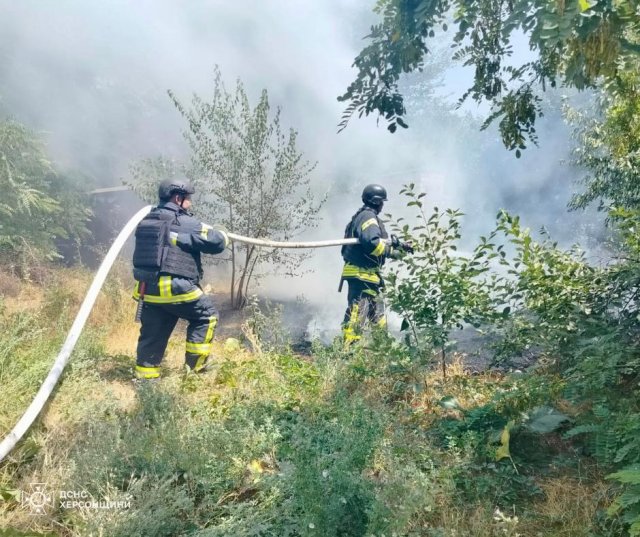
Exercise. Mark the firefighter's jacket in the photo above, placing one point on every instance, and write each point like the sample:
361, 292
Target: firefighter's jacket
364, 260
169, 243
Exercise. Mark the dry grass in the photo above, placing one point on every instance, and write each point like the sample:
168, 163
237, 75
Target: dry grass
122, 338
457, 383
567, 509
568, 506
456, 522
28, 298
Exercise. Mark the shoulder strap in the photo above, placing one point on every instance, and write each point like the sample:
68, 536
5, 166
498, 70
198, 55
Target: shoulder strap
348, 232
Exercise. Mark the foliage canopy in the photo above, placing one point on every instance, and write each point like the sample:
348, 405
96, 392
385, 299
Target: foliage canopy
576, 43
608, 147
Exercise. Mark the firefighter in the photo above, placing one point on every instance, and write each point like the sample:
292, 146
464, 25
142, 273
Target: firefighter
363, 263
167, 268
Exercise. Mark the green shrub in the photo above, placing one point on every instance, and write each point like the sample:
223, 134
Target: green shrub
32, 216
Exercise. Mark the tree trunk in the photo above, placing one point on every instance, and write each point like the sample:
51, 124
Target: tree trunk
253, 266
444, 364
233, 273
233, 258
240, 294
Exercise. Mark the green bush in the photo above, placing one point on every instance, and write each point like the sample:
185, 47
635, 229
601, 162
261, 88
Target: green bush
39, 205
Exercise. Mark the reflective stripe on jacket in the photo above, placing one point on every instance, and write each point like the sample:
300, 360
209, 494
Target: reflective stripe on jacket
172, 275
364, 260
169, 290
364, 274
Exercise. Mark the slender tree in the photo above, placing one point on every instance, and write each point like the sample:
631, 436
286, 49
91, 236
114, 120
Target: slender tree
250, 177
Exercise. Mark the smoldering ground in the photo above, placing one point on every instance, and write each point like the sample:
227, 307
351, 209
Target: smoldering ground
93, 77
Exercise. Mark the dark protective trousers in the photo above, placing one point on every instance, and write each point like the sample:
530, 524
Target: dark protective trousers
362, 306
159, 320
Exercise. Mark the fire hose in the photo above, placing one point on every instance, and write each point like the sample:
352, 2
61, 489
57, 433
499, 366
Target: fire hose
49, 383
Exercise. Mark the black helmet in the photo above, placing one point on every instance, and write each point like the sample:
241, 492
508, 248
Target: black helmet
169, 187
374, 195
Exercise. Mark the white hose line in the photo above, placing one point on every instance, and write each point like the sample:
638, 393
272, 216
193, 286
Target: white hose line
45, 391
49, 383
280, 244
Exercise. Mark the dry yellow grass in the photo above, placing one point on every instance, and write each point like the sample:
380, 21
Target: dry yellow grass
568, 506
567, 509
456, 384
29, 298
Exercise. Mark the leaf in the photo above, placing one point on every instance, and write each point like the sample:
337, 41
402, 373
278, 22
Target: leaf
545, 419
582, 429
629, 498
405, 325
231, 345
7, 494
503, 451
630, 474
255, 467
634, 529
450, 402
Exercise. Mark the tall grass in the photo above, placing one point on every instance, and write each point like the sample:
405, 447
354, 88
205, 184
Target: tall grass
268, 444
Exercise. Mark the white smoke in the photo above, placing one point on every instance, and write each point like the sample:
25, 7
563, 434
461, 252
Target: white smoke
93, 77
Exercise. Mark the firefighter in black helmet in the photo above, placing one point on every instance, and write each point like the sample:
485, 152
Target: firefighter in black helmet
364, 261
167, 268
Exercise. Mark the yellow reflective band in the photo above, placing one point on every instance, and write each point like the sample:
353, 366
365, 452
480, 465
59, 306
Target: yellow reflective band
173, 299
204, 232
370, 292
370, 222
379, 250
200, 363
349, 336
198, 348
360, 270
147, 372
173, 238
147, 369
164, 285
213, 321
366, 275
353, 317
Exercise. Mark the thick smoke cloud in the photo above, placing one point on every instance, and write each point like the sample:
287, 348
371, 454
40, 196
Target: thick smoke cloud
93, 77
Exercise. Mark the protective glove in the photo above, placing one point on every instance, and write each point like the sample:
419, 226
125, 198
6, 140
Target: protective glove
397, 244
223, 230
407, 247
